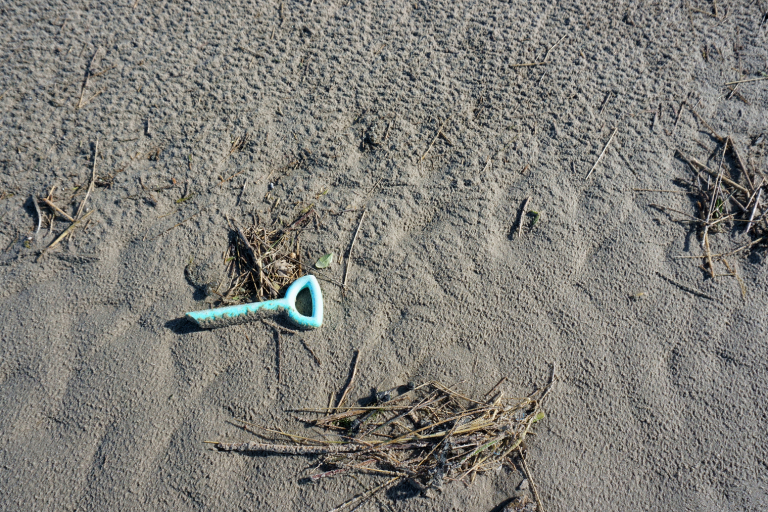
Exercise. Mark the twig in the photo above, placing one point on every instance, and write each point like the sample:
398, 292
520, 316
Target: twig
352, 246
87, 77
40, 215
487, 164
659, 190
178, 224
539, 505
522, 217
528, 64
751, 217
386, 135
705, 238
351, 381
56, 209
93, 180
494, 388
312, 352
743, 167
696, 164
688, 289
280, 327
278, 350
602, 153
744, 247
435, 138
708, 252
286, 449
247, 245
605, 102
553, 47
356, 501
677, 119
65, 233
745, 81
720, 255
706, 124
666, 208
738, 278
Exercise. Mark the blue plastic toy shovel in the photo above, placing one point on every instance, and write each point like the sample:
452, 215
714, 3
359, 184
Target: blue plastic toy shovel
219, 317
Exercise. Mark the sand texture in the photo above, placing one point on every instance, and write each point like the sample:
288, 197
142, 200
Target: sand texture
203, 111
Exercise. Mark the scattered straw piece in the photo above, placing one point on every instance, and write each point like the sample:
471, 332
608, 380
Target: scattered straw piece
352, 246
602, 153
428, 433
522, 217
40, 215
351, 381
65, 233
93, 180
435, 138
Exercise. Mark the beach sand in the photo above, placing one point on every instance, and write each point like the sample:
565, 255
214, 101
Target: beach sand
107, 394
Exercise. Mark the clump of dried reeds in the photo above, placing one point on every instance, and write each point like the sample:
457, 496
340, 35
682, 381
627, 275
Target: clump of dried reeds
728, 198
724, 202
429, 434
262, 261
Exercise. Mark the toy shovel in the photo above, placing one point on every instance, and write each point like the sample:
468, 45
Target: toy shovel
230, 315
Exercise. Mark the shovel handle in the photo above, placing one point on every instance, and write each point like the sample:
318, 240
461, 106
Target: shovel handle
210, 318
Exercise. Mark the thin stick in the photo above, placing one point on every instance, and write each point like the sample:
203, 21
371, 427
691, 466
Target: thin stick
280, 327
87, 77
743, 167
56, 209
605, 102
677, 119
487, 164
435, 138
706, 124
522, 217
738, 278
696, 164
539, 505
65, 233
553, 47
719, 255
351, 381
386, 135
177, 224
666, 208
501, 381
751, 217
352, 246
601, 154
93, 180
744, 247
688, 289
286, 449
705, 238
40, 215
277, 353
247, 245
708, 253
746, 81
659, 190
356, 501
528, 64
312, 352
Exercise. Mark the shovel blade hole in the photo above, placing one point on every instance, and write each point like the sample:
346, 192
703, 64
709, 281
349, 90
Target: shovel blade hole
304, 302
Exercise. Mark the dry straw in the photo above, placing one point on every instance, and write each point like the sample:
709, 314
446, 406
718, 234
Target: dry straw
429, 435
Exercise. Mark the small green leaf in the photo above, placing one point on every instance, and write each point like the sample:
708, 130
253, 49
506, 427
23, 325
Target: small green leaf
324, 261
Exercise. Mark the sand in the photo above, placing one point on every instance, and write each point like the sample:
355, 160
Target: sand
107, 394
